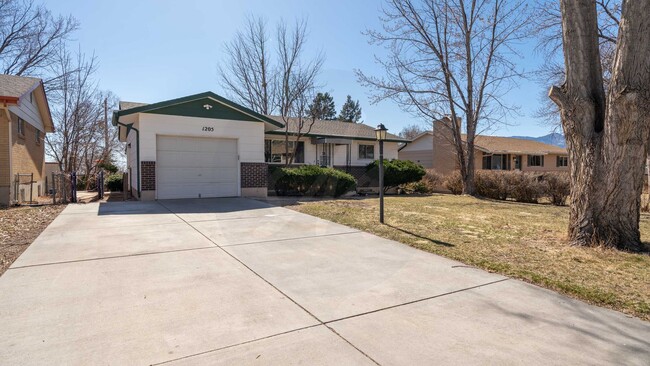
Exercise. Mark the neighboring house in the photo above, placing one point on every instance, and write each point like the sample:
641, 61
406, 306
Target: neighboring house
24, 120
204, 145
434, 150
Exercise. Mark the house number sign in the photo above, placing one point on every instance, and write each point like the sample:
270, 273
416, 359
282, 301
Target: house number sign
208, 129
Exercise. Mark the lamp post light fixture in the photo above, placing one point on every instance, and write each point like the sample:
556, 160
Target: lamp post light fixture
380, 133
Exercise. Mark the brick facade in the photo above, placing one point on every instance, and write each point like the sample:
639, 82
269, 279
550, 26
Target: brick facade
254, 175
27, 154
5, 174
148, 175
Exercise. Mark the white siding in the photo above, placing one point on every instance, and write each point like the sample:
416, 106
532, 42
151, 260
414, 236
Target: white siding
250, 135
29, 112
424, 142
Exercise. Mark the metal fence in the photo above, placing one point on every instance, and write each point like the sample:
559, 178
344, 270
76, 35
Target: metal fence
64, 187
24, 188
100, 184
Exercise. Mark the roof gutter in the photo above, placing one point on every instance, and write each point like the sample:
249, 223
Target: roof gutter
130, 127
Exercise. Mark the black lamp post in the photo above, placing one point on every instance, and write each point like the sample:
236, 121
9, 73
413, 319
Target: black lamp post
380, 132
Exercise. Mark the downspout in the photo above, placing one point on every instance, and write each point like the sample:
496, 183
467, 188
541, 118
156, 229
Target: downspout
130, 127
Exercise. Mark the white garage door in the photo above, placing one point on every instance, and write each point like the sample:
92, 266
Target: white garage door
194, 167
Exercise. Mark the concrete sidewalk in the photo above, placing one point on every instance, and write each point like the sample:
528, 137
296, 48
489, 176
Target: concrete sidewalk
236, 281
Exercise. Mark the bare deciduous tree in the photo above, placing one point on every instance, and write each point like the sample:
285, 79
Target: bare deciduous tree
411, 131
247, 75
450, 58
296, 83
30, 37
548, 26
607, 131
81, 139
284, 84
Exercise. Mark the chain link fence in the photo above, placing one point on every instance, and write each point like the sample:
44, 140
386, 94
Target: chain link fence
63, 187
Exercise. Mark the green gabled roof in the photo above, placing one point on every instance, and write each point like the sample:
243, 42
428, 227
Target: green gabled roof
193, 106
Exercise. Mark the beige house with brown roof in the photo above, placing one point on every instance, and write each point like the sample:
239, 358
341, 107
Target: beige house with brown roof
434, 150
24, 120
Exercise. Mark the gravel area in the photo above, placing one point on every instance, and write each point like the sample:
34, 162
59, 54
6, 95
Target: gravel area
19, 226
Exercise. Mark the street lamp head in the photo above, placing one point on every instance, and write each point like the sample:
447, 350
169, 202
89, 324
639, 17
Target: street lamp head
380, 132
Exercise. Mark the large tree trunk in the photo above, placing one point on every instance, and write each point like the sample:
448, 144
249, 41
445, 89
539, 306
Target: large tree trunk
606, 138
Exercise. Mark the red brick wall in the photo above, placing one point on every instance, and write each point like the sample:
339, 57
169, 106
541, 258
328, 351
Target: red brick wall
148, 173
254, 175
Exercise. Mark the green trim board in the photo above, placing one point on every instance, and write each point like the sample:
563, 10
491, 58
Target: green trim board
338, 136
200, 105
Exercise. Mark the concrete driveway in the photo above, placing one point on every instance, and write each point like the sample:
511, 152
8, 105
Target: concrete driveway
236, 281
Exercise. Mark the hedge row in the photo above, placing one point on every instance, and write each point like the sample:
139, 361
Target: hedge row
516, 185
311, 180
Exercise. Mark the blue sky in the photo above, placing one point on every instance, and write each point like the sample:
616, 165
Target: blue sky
151, 51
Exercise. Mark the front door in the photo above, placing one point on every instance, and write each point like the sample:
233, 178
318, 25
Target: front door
326, 155
517, 162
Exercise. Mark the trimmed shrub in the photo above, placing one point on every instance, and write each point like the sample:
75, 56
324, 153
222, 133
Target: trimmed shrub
491, 184
558, 187
113, 182
524, 187
416, 187
311, 180
454, 183
398, 172
433, 180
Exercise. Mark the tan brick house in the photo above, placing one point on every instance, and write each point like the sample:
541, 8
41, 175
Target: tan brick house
24, 120
433, 150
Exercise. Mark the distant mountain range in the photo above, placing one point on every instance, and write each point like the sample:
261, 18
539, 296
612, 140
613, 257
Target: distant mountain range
554, 138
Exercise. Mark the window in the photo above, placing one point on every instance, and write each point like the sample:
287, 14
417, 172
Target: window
21, 127
366, 151
31, 97
535, 160
562, 161
38, 137
275, 151
495, 162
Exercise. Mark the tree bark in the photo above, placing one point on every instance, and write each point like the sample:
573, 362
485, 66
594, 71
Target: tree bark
607, 138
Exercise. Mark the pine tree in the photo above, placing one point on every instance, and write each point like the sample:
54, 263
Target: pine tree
323, 107
351, 111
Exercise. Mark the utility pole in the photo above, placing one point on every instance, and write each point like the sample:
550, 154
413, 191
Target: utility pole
106, 151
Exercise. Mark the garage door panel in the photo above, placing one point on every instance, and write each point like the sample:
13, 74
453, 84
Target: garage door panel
189, 167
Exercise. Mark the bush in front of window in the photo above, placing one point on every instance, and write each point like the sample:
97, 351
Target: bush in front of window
518, 186
312, 180
397, 172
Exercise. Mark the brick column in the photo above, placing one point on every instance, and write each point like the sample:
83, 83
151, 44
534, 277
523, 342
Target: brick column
148, 175
254, 177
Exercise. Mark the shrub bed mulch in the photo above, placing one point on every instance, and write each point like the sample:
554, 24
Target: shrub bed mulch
19, 226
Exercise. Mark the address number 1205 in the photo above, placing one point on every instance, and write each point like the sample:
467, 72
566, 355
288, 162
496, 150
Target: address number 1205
208, 129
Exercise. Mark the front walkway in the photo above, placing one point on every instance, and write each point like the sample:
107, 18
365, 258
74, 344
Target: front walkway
236, 281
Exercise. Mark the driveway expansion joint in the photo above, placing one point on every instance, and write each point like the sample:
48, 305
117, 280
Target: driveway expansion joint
288, 239
110, 257
276, 288
417, 301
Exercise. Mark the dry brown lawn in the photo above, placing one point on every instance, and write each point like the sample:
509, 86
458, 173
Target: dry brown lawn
524, 241
19, 226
